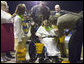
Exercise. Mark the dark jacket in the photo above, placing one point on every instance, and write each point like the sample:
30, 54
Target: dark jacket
39, 13
67, 21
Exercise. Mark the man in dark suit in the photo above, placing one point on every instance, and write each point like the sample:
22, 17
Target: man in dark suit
75, 43
73, 22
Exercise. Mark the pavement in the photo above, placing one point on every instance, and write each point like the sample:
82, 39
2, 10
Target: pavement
27, 57
27, 54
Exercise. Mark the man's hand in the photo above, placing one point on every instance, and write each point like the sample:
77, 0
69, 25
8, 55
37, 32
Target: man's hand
56, 32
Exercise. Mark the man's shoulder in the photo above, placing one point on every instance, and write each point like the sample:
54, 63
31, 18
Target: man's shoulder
53, 12
47, 7
36, 6
65, 11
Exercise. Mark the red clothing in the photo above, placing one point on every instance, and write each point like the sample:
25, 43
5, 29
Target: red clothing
7, 37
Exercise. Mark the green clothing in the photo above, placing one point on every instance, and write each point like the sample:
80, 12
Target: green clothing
49, 28
67, 21
21, 18
25, 28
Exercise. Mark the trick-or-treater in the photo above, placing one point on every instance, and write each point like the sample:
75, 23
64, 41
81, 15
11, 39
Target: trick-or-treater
20, 29
45, 34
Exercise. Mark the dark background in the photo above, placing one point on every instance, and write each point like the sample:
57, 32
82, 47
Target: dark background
75, 6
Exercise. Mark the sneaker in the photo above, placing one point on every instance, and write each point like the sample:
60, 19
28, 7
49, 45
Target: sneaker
64, 56
9, 56
8, 59
3, 60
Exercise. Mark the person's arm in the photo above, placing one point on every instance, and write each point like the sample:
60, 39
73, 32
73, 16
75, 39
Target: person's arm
38, 33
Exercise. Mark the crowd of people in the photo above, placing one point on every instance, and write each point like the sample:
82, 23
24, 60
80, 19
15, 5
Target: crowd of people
48, 30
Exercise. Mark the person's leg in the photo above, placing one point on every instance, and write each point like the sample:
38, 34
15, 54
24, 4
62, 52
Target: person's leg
63, 50
75, 45
15, 47
3, 57
21, 51
32, 52
15, 43
62, 47
25, 49
42, 57
8, 54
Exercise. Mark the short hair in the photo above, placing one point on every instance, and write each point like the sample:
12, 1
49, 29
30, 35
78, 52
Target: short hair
56, 6
42, 2
4, 3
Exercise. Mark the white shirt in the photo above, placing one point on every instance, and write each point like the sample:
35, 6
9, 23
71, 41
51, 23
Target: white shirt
48, 42
18, 30
5, 17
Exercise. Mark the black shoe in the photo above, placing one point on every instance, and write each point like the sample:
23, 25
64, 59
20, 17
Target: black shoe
3, 60
47, 61
64, 56
24, 61
31, 61
56, 59
41, 60
81, 61
9, 55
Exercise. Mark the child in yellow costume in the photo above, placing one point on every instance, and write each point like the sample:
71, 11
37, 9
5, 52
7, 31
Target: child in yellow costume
20, 30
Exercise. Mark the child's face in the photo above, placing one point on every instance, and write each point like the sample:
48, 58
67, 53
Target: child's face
46, 23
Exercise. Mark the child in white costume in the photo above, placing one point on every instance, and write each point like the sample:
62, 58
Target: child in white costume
49, 42
19, 34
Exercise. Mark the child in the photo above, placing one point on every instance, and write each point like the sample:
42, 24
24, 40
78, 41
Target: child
20, 30
45, 33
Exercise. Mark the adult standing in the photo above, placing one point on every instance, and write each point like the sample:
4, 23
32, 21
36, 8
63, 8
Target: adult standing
40, 12
75, 43
7, 33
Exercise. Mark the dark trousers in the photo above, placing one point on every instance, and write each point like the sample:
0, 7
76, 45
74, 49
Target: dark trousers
32, 51
75, 43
